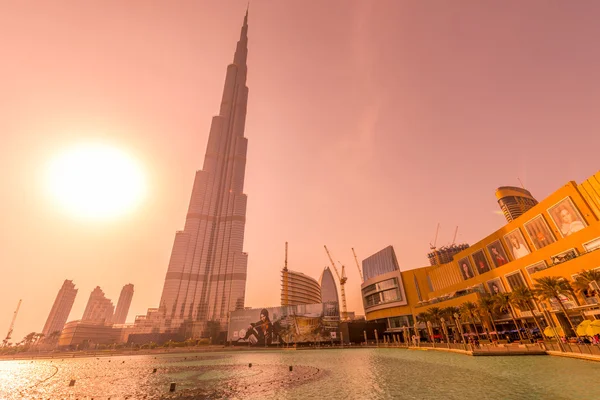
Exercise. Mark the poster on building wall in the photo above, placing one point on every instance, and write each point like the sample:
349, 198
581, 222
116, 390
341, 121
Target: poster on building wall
515, 280
481, 263
539, 232
495, 286
288, 324
465, 267
592, 245
538, 266
516, 243
564, 256
566, 217
497, 253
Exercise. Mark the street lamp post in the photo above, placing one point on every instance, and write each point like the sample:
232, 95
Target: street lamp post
459, 326
445, 329
417, 334
430, 331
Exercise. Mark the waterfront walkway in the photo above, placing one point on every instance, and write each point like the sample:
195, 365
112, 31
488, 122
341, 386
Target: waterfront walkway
579, 351
485, 350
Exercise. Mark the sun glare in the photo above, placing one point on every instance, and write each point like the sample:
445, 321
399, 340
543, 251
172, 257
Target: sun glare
95, 181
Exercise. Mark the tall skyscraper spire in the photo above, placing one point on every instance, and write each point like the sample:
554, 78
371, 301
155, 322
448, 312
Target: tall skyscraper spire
206, 277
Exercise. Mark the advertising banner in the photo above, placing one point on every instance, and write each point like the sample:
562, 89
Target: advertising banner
280, 325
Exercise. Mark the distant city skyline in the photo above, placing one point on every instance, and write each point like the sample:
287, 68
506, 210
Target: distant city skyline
367, 127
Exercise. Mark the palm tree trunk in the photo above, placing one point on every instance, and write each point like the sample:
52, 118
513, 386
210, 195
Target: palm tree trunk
564, 310
512, 315
459, 330
494, 325
474, 326
537, 323
427, 333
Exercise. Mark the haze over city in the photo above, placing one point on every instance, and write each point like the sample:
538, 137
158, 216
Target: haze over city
368, 123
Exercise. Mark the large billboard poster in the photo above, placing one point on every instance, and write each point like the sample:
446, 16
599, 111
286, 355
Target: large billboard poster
288, 324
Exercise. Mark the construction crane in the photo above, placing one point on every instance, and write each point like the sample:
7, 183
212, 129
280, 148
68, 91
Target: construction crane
285, 277
342, 278
455, 233
432, 246
12, 324
362, 279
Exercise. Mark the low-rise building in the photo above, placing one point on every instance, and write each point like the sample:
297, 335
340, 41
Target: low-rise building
297, 288
85, 335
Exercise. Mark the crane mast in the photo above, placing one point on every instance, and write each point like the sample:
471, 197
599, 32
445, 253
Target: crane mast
362, 279
12, 324
432, 246
342, 278
285, 278
455, 233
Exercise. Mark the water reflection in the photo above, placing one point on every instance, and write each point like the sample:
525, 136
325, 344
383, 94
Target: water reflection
350, 373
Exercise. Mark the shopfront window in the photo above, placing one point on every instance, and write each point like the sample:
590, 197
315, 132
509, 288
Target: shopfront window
401, 321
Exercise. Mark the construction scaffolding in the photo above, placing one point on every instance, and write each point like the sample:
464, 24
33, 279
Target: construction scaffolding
445, 254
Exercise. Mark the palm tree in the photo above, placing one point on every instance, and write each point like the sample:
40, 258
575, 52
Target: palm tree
27, 340
523, 297
38, 338
52, 337
486, 307
583, 280
552, 287
503, 303
468, 308
436, 315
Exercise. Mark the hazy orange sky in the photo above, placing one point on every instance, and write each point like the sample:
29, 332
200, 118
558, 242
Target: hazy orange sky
368, 123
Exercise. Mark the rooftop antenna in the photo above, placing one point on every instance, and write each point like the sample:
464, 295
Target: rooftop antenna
519, 179
285, 296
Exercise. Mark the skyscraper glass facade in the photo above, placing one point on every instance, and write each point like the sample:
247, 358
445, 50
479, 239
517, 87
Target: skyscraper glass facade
380, 263
206, 276
61, 308
329, 291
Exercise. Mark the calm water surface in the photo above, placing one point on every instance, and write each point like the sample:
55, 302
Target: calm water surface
335, 374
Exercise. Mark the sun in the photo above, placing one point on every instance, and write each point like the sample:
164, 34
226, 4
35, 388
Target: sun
95, 181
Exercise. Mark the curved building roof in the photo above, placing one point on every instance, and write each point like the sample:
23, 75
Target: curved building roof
380, 263
328, 287
301, 289
514, 201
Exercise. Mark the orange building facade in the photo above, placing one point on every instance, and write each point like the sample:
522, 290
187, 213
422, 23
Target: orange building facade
559, 236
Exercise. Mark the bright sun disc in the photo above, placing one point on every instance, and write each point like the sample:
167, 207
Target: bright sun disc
96, 181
